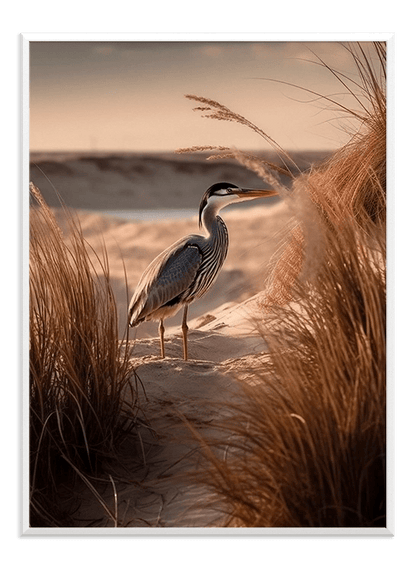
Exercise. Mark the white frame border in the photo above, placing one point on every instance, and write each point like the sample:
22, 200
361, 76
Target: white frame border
26, 38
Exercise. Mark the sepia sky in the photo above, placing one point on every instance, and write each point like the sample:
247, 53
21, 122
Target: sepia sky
129, 96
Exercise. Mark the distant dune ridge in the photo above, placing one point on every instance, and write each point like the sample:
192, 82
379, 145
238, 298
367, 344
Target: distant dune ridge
116, 181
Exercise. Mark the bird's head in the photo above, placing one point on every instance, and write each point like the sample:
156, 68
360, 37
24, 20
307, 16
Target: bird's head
223, 194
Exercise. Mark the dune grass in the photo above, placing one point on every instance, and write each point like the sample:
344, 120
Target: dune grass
306, 447
79, 371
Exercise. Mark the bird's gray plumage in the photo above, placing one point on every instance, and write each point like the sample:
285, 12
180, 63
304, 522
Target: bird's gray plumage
181, 273
188, 268
169, 275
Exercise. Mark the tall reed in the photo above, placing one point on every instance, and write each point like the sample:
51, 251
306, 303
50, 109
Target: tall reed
79, 372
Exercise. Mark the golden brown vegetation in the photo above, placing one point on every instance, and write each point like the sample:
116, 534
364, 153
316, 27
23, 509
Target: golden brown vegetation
307, 444
79, 372
306, 447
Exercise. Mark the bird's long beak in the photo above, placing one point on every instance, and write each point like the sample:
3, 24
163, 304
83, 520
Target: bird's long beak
251, 193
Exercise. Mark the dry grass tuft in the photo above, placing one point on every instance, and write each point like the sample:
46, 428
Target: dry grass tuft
350, 185
307, 444
79, 372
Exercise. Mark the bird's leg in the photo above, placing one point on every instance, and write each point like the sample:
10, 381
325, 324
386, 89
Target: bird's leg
185, 333
162, 340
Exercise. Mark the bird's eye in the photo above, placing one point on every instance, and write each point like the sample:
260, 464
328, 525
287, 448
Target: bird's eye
229, 190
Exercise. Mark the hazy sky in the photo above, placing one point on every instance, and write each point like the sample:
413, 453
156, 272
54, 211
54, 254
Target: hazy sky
130, 95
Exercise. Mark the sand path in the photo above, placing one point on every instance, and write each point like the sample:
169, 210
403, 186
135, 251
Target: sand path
161, 492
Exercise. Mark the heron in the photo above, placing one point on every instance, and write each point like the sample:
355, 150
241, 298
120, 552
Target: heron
186, 270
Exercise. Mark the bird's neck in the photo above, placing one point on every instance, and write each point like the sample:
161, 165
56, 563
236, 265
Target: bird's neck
216, 236
214, 225
211, 222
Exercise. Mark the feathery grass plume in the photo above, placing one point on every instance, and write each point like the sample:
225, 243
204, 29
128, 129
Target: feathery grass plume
264, 168
215, 110
307, 443
79, 372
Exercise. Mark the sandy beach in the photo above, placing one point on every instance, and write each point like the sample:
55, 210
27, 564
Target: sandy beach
223, 339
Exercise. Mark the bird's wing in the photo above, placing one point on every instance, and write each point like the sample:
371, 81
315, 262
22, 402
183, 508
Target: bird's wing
169, 275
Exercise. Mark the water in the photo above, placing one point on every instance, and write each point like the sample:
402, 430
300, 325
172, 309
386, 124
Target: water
177, 213
151, 215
